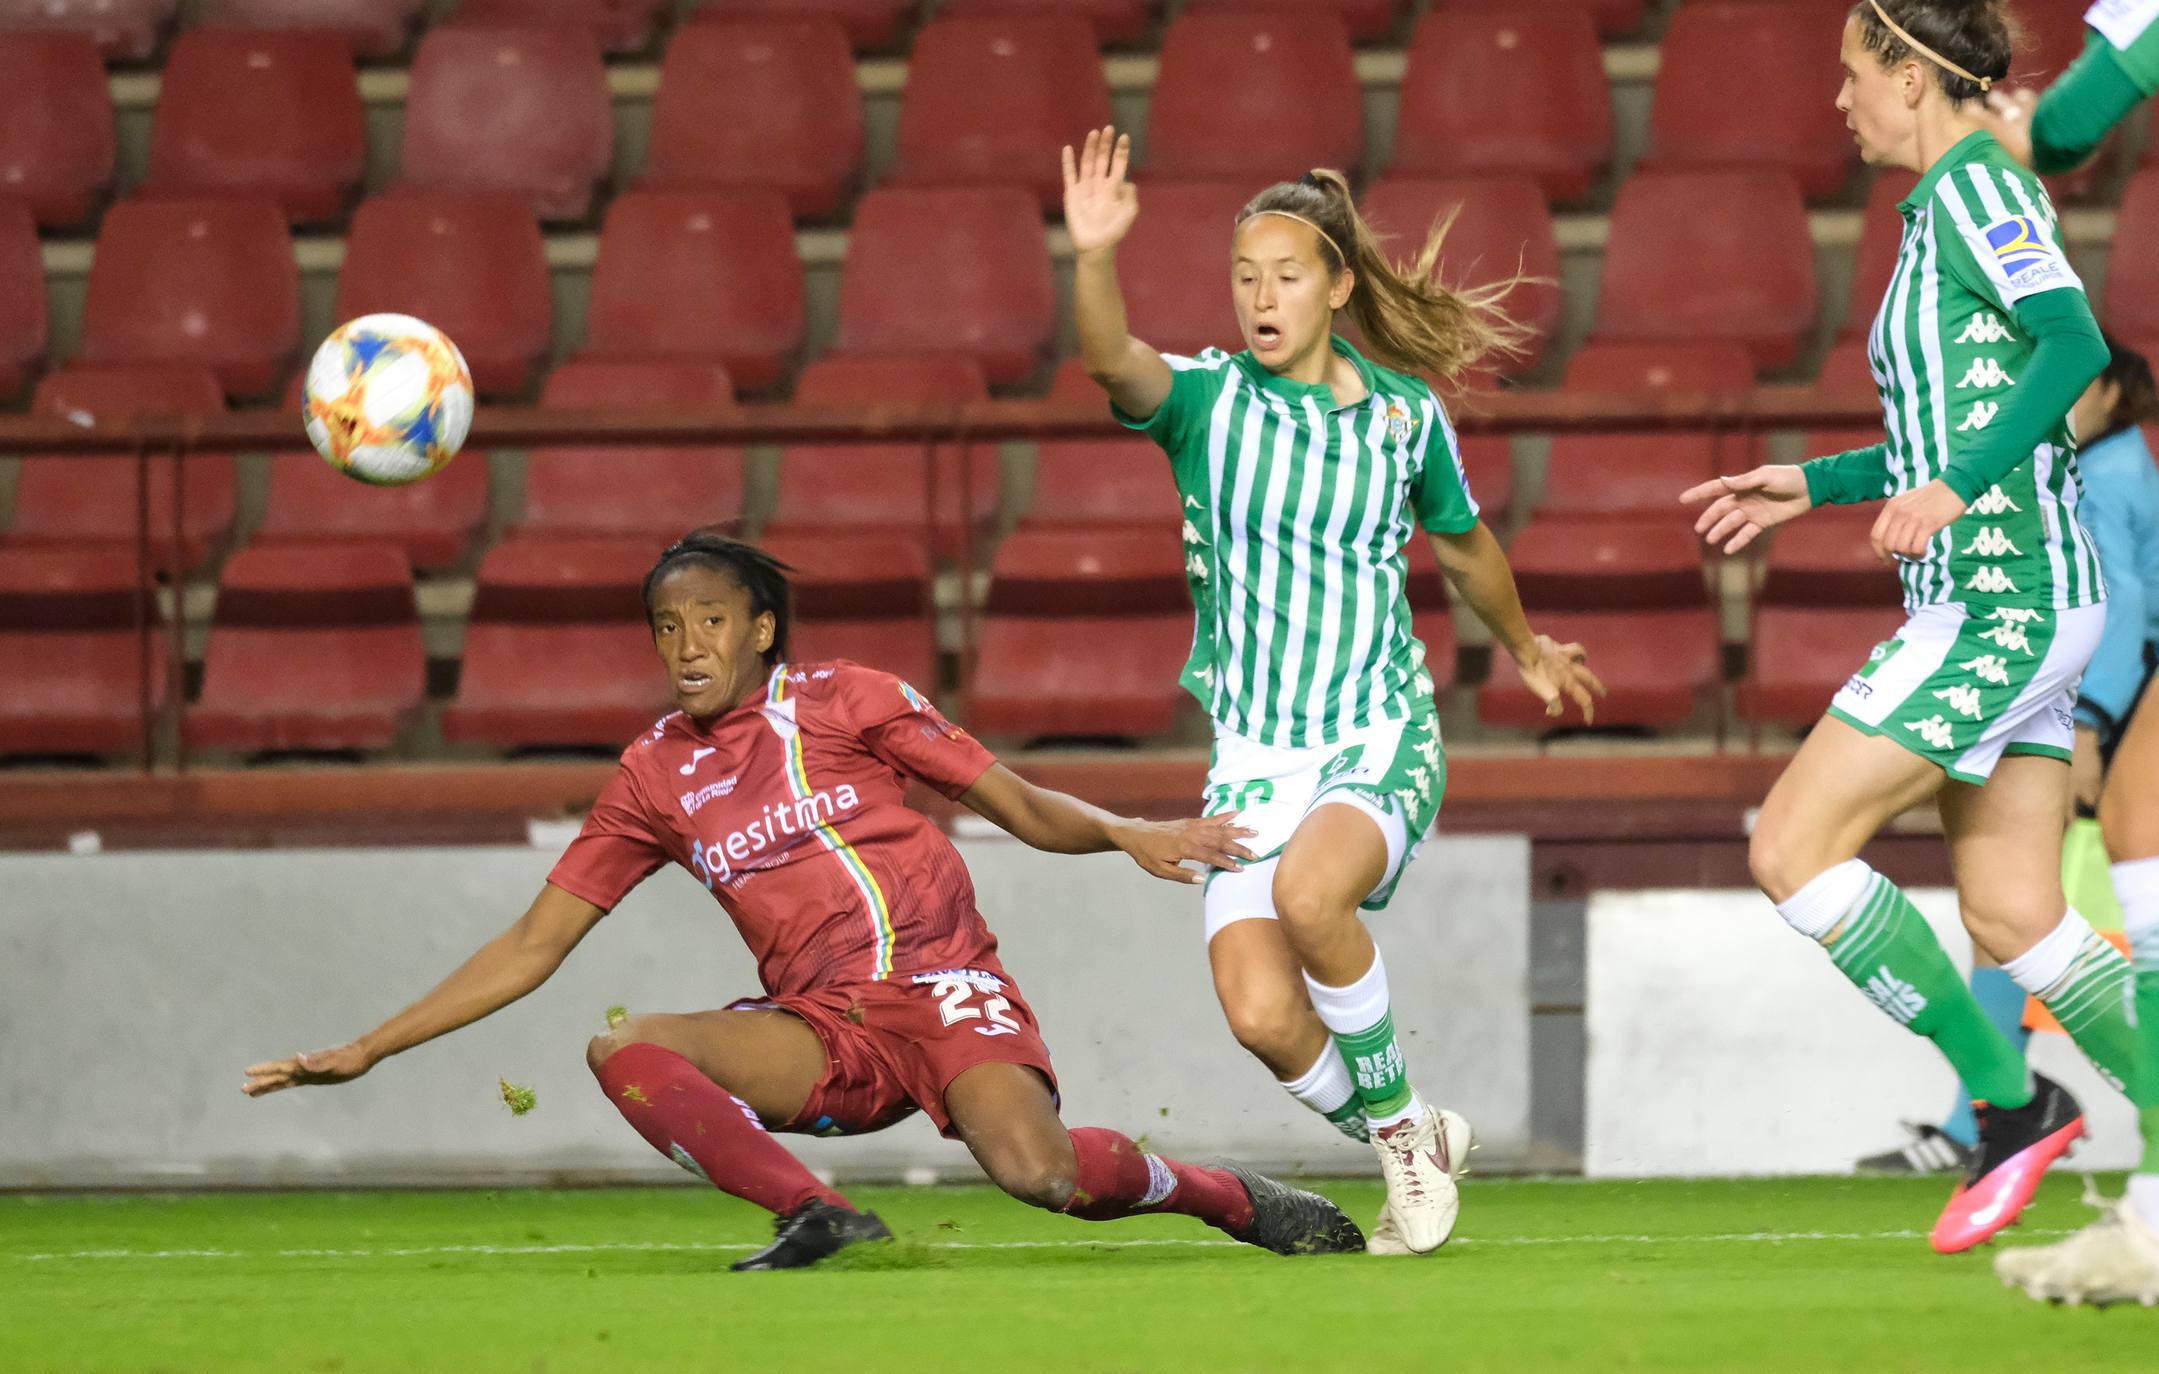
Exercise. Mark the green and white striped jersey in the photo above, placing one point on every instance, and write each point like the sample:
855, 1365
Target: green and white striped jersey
1979, 236
1297, 515
2131, 28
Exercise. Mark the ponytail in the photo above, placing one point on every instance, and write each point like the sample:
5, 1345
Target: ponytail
1409, 318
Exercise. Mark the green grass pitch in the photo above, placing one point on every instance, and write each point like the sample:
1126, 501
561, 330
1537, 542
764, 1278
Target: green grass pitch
1811, 1274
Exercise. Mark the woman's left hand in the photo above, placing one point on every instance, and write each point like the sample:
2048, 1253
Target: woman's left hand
1162, 847
1908, 523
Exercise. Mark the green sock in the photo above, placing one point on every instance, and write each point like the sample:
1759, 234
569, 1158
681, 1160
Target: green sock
2092, 998
1886, 948
1349, 1119
2147, 1008
1375, 1062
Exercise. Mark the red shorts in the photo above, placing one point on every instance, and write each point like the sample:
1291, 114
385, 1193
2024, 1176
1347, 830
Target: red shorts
892, 1047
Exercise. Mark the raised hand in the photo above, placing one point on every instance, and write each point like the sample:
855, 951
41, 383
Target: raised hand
1161, 847
1742, 506
341, 1064
1559, 673
1100, 204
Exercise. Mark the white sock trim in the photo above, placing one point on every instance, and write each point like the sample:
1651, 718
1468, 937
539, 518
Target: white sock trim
1160, 1182
2144, 1198
2039, 968
1355, 1008
2136, 887
1410, 1110
1815, 909
1325, 1087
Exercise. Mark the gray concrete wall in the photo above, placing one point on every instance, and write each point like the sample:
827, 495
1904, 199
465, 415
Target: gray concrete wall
134, 988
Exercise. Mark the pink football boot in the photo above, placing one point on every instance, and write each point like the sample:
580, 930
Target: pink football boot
2016, 1147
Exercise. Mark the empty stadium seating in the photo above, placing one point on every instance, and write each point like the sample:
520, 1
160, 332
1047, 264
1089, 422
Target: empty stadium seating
1174, 266
1641, 473
1113, 21
1881, 235
1613, 17
92, 501
767, 104
1365, 19
371, 28
985, 293
648, 496
1255, 96
514, 108
2132, 293
124, 30
271, 113
863, 597
1778, 63
1488, 462
699, 276
1501, 229
23, 321
314, 648
72, 652
557, 651
993, 100
1825, 599
1098, 482
472, 264
618, 26
868, 23
1513, 91
56, 125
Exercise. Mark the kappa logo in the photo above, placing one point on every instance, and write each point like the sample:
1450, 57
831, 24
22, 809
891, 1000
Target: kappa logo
1985, 327
1892, 994
1990, 542
2009, 634
1962, 699
1986, 374
1934, 730
1992, 581
1979, 416
1995, 502
1192, 534
1988, 668
1196, 566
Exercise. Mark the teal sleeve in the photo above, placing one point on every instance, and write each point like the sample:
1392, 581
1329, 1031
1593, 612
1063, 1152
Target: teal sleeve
2068, 352
1851, 478
2090, 98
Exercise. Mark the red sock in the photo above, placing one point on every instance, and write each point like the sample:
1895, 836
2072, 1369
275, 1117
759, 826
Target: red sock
706, 1129
1119, 1179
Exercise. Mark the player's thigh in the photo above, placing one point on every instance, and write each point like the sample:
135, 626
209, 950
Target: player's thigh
1841, 787
1005, 1115
1336, 857
2005, 845
2129, 804
770, 1059
1261, 987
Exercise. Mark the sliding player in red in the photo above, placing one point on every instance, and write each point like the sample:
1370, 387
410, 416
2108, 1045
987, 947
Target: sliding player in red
780, 786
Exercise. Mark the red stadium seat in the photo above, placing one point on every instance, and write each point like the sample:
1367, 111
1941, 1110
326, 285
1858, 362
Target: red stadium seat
433, 521
1488, 460
311, 648
1613, 17
1881, 235
1778, 62
864, 597
902, 647
846, 490
1642, 473
766, 104
869, 23
1098, 482
1089, 572
1828, 559
509, 108
261, 113
56, 125
1113, 21
1513, 91
472, 265
124, 30
650, 496
1079, 676
1367, 20
1709, 257
2132, 295
22, 300
618, 26
985, 293
1434, 629
1657, 668
992, 100
1174, 266
92, 501
197, 282
557, 652
71, 652
1576, 563
1846, 367
1802, 655
1501, 229
371, 28
699, 276
1255, 96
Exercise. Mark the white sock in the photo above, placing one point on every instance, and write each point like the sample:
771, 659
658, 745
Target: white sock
1362, 1026
2136, 887
2039, 968
1818, 908
1326, 1088
2144, 1198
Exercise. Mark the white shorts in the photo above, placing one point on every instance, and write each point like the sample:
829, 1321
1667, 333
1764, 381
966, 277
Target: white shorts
1394, 772
1963, 686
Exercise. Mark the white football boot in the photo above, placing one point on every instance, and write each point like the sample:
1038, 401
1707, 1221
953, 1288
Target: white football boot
1421, 1160
2115, 1259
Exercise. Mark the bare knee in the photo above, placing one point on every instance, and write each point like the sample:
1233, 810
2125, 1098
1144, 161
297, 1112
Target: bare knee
2128, 825
1039, 1178
634, 1030
1780, 867
1304, 908
1274, 1024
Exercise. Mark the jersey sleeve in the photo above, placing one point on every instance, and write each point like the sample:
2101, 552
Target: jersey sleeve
2000, 238
615, 851
1440, 490
1179, 425
901, 727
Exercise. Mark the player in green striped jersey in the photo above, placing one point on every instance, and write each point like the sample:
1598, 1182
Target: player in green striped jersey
2117, 71
1305, 470
1983, 343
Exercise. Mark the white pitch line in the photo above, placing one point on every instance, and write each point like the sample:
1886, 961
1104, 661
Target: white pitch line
663, 1247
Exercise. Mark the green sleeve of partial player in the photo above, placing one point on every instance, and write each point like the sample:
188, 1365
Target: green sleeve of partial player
2094, 95
1851, 478
2068, 351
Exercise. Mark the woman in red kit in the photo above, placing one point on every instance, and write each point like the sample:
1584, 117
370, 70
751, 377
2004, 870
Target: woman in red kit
781, 786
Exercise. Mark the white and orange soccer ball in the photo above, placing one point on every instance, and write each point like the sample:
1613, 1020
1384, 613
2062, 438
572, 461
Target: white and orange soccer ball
387, 400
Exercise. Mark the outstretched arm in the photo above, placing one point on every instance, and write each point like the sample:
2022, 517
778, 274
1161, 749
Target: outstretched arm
1477, 567
1100, 206
1063, 824
499, 972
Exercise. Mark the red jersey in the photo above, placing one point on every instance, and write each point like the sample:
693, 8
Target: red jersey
791, 810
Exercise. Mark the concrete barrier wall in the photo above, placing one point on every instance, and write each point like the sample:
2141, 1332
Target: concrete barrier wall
134, 988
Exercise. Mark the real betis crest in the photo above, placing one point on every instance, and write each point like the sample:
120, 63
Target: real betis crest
1399, 422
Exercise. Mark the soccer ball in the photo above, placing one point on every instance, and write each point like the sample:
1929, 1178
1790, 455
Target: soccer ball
388, 399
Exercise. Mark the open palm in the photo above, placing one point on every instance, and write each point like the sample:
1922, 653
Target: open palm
1100, 204
1740, 507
